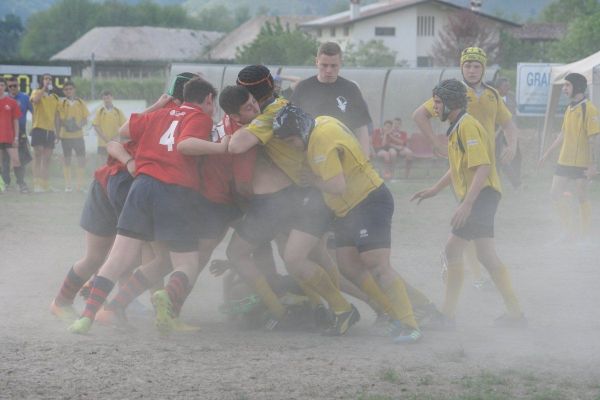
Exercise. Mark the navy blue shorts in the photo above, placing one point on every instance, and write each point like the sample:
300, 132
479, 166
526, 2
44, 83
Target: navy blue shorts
215, 218
269, 214
570, 172
312, 216
158, 211
117, 189
43, 138
368, 226
73, 145
480, 223
98, 215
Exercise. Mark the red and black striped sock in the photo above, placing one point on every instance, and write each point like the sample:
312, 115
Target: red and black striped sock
178, 290
69, 288
98, 295
135, 286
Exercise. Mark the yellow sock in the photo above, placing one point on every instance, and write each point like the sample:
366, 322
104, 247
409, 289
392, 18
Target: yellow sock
322, 284
372, 289
470, 258
453, 287
80, 171
313, 297
417, 298
585, 210
67, 175
401, 306
502, 280
269, 297
564, 214
334, 275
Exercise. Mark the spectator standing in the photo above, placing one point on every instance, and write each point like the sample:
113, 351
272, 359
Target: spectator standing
45, 104
329, 94
9, 127
107, 121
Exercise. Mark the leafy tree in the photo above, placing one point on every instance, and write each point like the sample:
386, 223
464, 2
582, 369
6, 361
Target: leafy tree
370, 54
11, 30
568, 10
581, 40
278, 45
513, 51
464, 29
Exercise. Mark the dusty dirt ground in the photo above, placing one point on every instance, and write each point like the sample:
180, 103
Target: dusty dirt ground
557, 357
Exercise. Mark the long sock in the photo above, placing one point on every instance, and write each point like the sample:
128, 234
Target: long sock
453, 287
80, 172
563, 210
69, 288
372, 289
130, 290
334, 275
98, 294
417, 298
502, 280
470, 258
313, 297
266, 294
178, 289
322, 284
67, 175
401, 306
585, 209
20, 174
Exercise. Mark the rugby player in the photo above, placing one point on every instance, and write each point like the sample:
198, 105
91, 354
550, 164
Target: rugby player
10, 112
576, 163
162, 203
362, 204
475, 181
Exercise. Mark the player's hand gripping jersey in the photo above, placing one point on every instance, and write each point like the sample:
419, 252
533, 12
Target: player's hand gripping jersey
113, 166
158, 133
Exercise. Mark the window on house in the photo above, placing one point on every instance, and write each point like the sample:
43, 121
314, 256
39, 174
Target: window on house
425, 26
332, 32
385, 31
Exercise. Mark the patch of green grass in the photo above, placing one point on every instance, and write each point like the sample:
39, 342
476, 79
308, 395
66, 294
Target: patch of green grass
425, 380
389, 375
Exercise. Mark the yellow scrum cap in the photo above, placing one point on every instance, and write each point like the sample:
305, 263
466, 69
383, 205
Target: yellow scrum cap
473, 54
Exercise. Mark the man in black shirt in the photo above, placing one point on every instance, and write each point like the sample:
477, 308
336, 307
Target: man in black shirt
329, 94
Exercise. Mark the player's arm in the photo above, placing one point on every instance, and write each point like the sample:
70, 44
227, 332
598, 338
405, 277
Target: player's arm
99, 133
192, 146
434, 190
37, 96
557, 142
335, 185
160, 103
511, 134
117, 151
464, 209
422, 118
362, 134
242, 141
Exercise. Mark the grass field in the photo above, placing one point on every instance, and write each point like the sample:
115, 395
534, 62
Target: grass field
557, 357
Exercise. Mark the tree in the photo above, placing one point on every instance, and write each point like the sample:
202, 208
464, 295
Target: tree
278, 45
11, 30
370, 54
581, 40
464, 29
513, 51
568, 10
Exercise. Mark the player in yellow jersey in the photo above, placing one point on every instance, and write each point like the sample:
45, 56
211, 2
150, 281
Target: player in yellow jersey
72, 118
576, 162
45, 103
486, 105
362, 204
475, 181
107, 121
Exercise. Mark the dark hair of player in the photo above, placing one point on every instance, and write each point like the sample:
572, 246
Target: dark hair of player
232, 98
196, 90
329, 49
258, 80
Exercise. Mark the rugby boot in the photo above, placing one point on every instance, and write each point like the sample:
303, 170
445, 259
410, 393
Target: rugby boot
182, 327
343, 321
165, 322
81, 326
404, 334
64, 313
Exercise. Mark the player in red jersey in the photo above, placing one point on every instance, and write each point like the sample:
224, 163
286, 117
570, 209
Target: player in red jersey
162, 202
10, 112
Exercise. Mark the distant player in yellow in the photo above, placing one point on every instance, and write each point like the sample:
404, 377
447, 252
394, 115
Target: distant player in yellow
485, 104
107, 121
362, 204
72, 118
45, 104
576, 162
475, 181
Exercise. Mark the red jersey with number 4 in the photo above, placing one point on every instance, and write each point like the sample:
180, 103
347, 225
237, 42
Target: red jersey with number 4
157, 135
113, 166
220, 174
9, 111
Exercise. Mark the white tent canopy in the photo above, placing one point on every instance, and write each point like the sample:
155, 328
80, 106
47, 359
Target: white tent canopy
585, 67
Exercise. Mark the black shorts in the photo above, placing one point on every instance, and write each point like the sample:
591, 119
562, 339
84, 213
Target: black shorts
480, 224
269, 214
158, 211
215, 218
43, 138
98, 215
73, 145
117, 189
570, 172
312, 216
368, 226
5, 146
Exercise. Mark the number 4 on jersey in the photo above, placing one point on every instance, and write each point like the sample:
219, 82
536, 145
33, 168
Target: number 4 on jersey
168, 138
